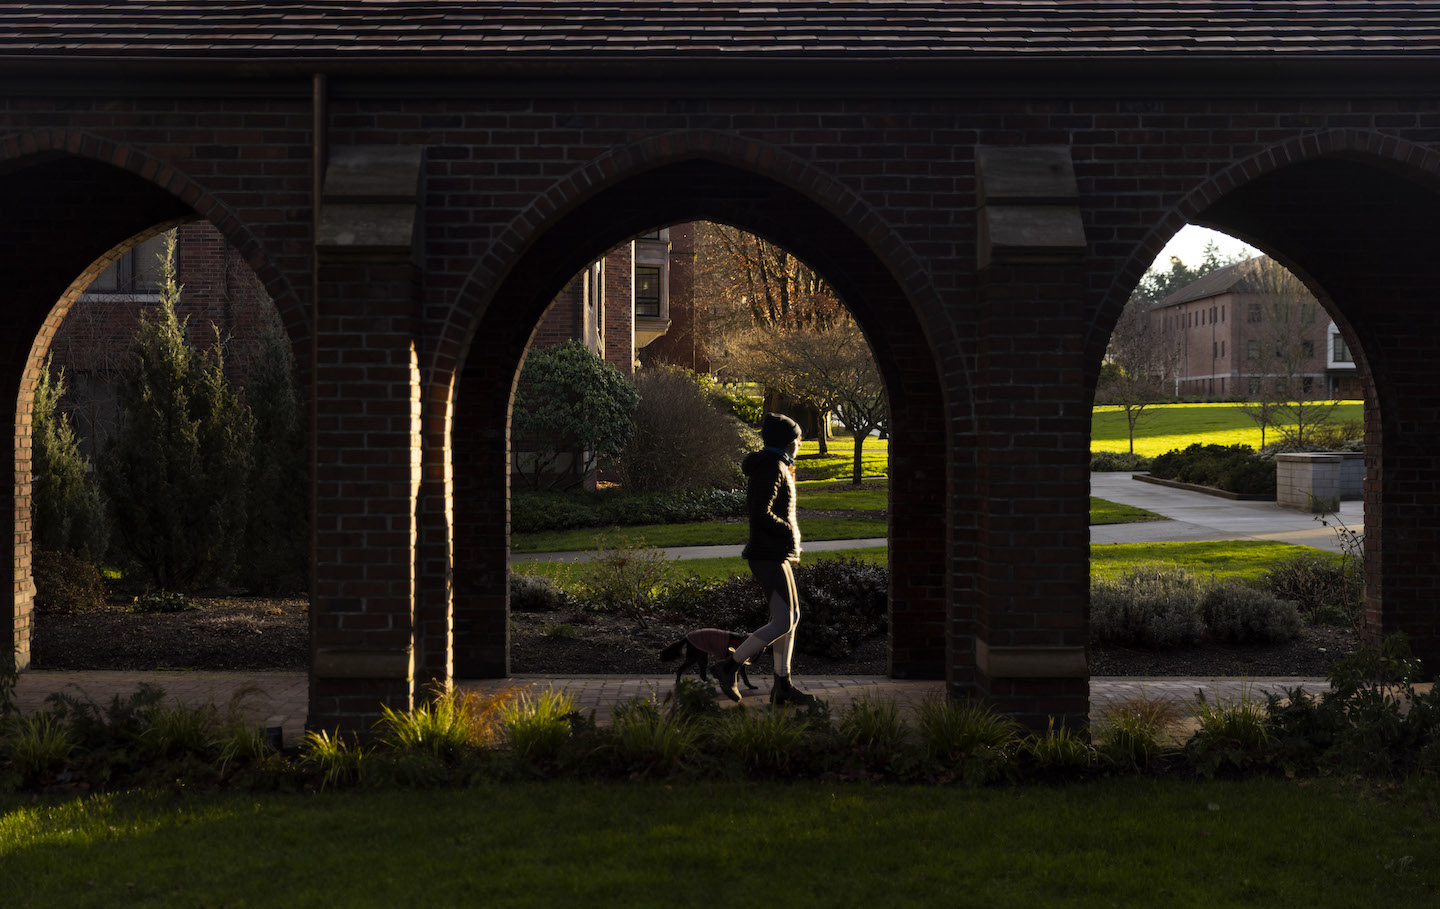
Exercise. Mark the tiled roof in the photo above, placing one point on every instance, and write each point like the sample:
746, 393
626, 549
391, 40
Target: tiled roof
1241, 277
720, 28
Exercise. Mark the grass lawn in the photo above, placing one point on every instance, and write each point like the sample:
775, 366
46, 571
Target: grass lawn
1105, 512
1248, 559
839, 464
704, 533
1120, 842
1163, 427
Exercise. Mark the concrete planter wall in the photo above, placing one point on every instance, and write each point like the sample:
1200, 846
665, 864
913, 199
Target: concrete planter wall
1318, 481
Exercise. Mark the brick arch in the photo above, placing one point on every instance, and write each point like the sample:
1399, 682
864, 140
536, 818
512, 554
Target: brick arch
1350, 213
61, 183
1383, 151
20, 150
667, 180
628, 162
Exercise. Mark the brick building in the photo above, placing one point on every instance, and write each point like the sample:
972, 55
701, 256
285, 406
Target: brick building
218, 289
983, 183
1240, 329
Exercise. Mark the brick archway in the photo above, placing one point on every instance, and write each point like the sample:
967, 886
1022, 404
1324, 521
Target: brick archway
681, 187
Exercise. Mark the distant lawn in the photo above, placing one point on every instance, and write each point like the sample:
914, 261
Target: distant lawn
1106, 512
570, 573
839, 464
704, 533
1248, 559
1163, 427
832, 495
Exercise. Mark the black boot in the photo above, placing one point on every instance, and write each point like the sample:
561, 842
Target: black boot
783, 693
726, 671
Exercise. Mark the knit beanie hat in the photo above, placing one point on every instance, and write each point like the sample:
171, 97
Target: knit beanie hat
778, 431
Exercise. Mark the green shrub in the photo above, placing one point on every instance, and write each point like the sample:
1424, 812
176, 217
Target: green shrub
1150, 605
681, 441
1236, 612
1320, 585
536, 593
745, 408
643, 739
66, 584
1117, 461
572, 412
772, 742
160, 601
1235, 468
873, 731
532, 512
626, 580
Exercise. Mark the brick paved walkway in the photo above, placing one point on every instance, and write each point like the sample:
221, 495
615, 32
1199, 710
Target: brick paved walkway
278, 698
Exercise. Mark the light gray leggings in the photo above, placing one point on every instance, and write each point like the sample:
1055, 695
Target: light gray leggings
777, 580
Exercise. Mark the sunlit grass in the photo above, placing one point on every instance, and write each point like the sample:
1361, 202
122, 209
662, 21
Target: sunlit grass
567, 574
1163, 427
701, 533
1246, 559
1105, 512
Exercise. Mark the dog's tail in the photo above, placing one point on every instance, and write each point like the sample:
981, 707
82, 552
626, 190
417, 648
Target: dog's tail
673, 651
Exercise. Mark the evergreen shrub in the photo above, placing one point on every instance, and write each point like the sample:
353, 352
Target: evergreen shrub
681, 440
1236, 612
66, 584
1117, 461
1234, 468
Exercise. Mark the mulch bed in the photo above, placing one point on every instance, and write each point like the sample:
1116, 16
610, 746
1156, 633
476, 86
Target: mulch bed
239, 633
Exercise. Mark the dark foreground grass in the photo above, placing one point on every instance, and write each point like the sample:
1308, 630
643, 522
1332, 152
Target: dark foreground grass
1124, 842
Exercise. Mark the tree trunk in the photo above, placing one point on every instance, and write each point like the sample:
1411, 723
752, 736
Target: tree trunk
859, 472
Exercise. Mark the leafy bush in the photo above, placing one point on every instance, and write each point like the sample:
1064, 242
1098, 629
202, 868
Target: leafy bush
533, 593
532, 512
1117, 461
66, 583
1234, 611
626, 580
1319, 585
748, 410
160, 601
681, 441
843, 603
1150, 605
1234, 468
572, 412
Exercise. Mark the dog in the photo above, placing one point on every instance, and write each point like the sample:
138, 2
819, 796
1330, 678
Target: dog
699, 646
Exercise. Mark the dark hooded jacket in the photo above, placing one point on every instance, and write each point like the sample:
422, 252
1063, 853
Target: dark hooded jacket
774, 532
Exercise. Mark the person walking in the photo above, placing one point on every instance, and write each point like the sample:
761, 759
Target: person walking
772, 552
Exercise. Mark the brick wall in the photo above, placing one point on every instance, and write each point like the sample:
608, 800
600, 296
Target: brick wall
991, 370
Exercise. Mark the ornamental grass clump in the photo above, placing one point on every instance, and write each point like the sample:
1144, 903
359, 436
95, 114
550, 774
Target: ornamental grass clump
35, 745
872, 731
538, 728
339, 761
1232, 737
967, 737
1129, 731
767, 741
1061, 751
647, 740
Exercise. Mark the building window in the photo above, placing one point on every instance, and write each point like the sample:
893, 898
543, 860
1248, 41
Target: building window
1212, 315
1214, 349
647, 291
1253, 313
1306, 384
1254, 386
1222, 349
1342, 350
135, 272
1307, 348
1252, 349
1222, 314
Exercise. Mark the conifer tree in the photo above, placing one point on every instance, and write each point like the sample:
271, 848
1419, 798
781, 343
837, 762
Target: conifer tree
175, 473
66, 513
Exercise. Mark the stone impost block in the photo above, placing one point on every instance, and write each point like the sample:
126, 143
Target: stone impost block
1030, 233
1031, 662
1028, 174
364, 664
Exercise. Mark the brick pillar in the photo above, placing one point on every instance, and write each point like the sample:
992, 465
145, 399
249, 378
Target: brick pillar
1030, 645
481, 444
618, 317
367, 445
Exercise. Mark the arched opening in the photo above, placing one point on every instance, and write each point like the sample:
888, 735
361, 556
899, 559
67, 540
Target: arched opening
665, 195
76, 244
1355, 231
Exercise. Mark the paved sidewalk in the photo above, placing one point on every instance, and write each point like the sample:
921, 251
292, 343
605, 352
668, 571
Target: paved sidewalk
279, 698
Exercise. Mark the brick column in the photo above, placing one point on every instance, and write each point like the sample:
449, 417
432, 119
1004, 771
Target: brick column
367, 444
1030, 653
